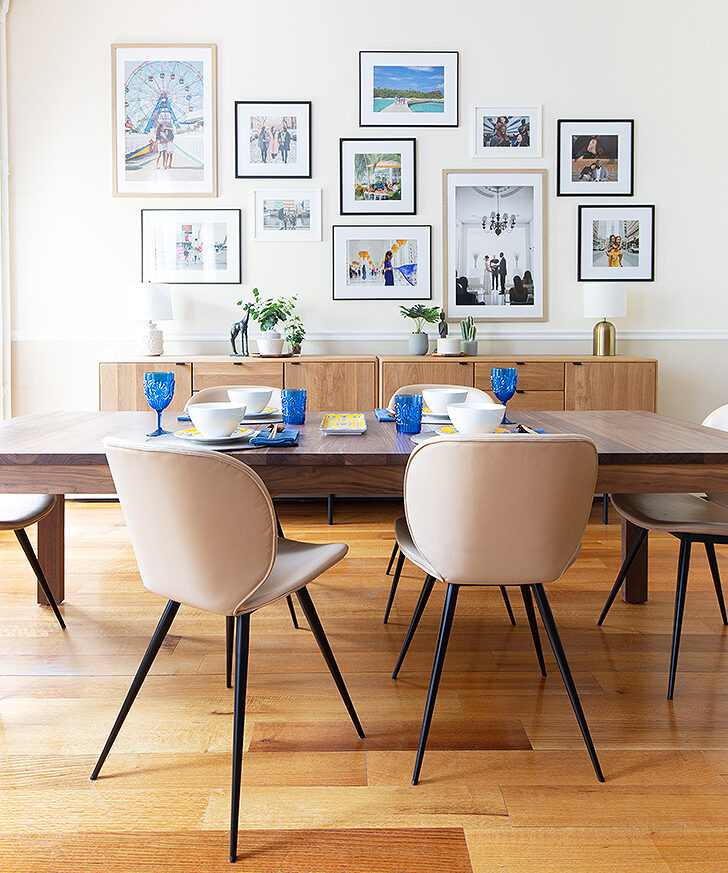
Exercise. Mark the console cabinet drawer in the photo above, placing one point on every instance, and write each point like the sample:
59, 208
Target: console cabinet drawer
532, 375
210, 375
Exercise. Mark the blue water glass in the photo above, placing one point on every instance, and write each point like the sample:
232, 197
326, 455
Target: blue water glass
408, 413
504, 381
159, 391
293, 405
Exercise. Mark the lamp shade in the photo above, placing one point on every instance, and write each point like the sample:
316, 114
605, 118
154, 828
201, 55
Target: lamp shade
605, 301
150, 301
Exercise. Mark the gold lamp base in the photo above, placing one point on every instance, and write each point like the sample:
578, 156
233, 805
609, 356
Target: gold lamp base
605, 338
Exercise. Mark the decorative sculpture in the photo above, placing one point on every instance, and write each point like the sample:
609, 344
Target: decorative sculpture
442, 326
240, 328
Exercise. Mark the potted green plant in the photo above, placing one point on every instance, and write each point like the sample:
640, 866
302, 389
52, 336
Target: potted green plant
418, 343
268, 313
468, 343
295, 334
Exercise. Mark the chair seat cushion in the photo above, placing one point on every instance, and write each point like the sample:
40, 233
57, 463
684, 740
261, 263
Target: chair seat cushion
678, 513
21, 510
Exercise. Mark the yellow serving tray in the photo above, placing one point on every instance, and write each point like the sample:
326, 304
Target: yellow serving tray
338, 423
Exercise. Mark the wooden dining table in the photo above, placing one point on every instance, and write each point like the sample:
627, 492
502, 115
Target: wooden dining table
62, 453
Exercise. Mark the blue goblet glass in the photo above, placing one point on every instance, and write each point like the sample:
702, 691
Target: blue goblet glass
408, 413
159, 390
504, 381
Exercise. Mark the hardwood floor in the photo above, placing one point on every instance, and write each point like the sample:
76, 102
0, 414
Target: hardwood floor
506, 783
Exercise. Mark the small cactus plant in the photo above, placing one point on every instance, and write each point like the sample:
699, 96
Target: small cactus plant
468, 329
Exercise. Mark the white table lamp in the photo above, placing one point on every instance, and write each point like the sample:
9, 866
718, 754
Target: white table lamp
605, 301
150, 302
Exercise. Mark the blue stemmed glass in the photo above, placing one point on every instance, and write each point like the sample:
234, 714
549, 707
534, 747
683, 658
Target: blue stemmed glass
504, 381
408, 413
293, 405
159, 390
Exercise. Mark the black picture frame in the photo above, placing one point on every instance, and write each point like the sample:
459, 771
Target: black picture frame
596, 191
618, 208
280, 177
412, 140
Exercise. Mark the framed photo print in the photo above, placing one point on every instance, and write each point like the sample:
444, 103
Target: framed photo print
377, 177
616, 244
494, 253
288, 215
595, 158
272, 140
191, 246
408, 89
374, 262
164, 120
498, 130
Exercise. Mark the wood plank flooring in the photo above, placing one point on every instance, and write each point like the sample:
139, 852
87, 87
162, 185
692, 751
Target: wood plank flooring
506, 785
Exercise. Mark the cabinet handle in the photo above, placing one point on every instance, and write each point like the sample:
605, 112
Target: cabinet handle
520, 363
237, 363
520, 391
181, 364
293, 363
576, 363
462, 363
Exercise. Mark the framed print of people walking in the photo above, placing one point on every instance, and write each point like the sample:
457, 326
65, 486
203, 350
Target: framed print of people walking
164, 120
595, 158
272, 140
494, 245
616, 243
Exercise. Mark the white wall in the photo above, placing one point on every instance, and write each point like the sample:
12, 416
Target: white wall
75, 248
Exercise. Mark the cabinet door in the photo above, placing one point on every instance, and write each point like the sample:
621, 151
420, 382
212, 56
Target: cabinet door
255, 372
397, 374
122, 385
532, 375
611, 385
334, 386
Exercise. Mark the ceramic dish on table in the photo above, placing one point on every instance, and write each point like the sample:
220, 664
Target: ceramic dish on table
476, 418
436, 400
192, 435
216, 419
343, 423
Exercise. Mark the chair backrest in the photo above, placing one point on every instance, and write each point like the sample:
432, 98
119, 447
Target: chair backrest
202, 524
718, 419
501, 508
218, 394
475, 395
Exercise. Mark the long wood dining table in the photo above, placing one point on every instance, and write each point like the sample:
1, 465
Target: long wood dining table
62, 453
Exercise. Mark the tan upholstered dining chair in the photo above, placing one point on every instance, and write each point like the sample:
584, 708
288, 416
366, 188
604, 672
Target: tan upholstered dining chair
204, 532
500, 509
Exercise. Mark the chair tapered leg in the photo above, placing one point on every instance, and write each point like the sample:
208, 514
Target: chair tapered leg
22, 538
713, 561
393, 587
553, 634
530, 612
419, 609
151, 653
448, 612
330, 509
507, 601
229, 637
622, 575
391, 558
683, 569
241, 683
292, 610
309, 610
605, 509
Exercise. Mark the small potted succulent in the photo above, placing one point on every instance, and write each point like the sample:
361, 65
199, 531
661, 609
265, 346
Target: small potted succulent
418, 343
468, 343
295, 333
268, 313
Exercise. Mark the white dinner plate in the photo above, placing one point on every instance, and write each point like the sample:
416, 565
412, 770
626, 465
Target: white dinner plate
192, 435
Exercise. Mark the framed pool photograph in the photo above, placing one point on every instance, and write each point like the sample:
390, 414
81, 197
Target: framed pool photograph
494, 244
377, 262
507, 132
287, 214
377, 177
595, 158
191, 246
164, 120
616, 244
408, 89
272, 139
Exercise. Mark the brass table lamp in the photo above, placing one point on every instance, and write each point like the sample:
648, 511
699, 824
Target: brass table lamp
605, 301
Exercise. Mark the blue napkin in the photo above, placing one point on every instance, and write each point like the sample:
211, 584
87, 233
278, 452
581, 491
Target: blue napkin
383, 415
288, 437
183, 418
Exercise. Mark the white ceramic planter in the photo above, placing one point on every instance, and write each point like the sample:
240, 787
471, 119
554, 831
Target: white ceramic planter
449, 345
270, 347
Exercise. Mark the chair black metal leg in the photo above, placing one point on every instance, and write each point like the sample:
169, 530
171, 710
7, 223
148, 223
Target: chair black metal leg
393, 586
448, 612
530, 612
507, 601
553, 634
683, 568
391, 558
330, 508
241, 683
632, 554
22, 538
419, 609
229, 637
292, 610
713, 561
151, 653
605, 509
309, 610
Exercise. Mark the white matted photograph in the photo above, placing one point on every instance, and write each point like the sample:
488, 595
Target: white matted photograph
616, 244
287, 214
377, 177
595, 158
272, 139
494, 252
191, 246
164, 120
374, 262
507, 132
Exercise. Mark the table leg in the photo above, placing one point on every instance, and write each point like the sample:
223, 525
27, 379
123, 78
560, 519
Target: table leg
634, 589
51, 549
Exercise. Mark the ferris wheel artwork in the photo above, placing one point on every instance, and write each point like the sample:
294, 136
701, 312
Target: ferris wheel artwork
164, 120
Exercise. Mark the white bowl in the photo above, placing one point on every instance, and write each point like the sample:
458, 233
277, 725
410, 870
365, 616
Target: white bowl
254, 399
437, 399
476, 417
216, 419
